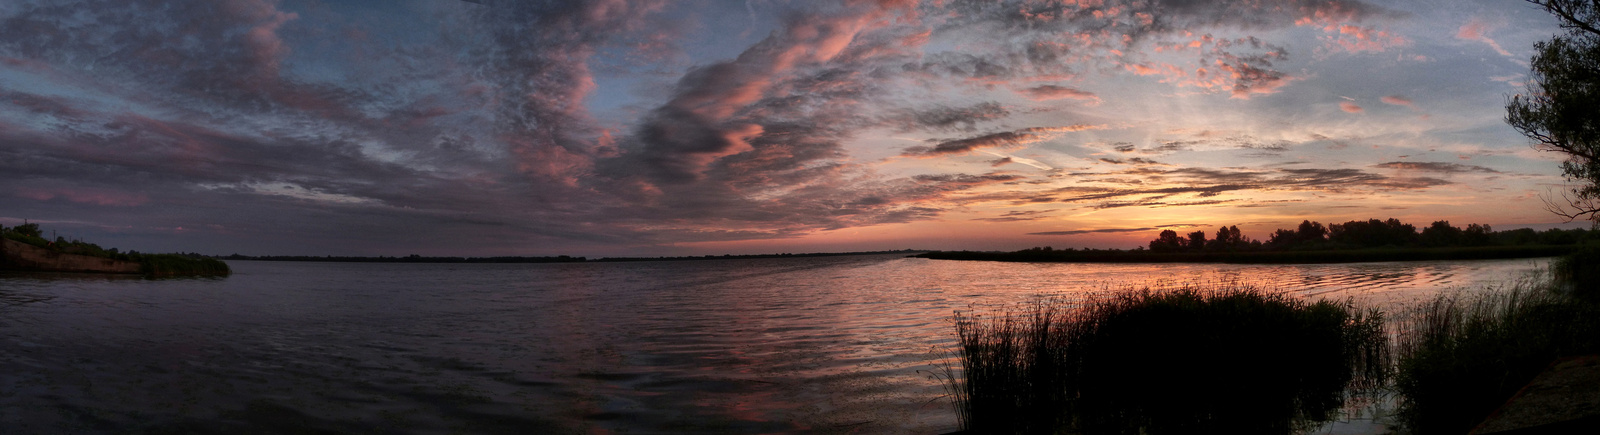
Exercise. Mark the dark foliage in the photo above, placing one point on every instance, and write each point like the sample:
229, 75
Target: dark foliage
1459, 359
1231, 360
1561, 107
153, 265
1373, 233
1441, 234
1167, 241
166, 265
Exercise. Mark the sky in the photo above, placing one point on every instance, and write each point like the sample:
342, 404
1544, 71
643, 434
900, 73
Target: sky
644, 128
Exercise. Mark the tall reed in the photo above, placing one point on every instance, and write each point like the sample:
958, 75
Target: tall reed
1216, 359
1461, 357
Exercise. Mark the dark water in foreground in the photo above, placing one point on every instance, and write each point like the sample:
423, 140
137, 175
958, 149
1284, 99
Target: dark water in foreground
835, 344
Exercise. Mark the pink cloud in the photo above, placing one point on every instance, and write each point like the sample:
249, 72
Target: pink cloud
1356, 38
1249, 80
1168, 71
1350, 107
1477, 29
265, 47
1398, 101
1339, 21
1053, 92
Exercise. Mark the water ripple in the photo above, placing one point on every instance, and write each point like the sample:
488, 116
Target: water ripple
835, 344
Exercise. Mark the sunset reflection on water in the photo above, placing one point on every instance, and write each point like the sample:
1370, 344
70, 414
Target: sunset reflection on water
755, 345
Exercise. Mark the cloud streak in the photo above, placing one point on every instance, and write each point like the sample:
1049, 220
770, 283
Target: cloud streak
1053, 92
1477, 29
1006, 139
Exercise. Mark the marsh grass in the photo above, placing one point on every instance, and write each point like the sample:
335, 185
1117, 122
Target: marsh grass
1461, 357
167, 265
1214, 359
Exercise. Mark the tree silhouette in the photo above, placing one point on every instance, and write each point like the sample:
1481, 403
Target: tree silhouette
1168, 241
1440, 234
1197, 241
1368, 234
1477, 235
1561, 109
1311, 232
26, 229
1228, 239
1373, 233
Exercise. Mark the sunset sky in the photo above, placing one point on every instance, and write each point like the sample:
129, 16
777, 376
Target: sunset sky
613, 128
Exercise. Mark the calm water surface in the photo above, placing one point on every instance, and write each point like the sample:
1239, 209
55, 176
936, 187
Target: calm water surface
834, 344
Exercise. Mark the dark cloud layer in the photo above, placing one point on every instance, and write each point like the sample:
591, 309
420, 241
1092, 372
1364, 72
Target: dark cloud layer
1444, 167
1112, 230
468, 128
993, 140
1211, 183
1096, 231
1018, 216
1058, 35
943, 118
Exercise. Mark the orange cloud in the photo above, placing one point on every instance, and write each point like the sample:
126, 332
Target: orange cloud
1336, 19
1350, 107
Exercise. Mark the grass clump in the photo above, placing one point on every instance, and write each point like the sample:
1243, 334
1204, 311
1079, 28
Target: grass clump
162, 265
1460, 358
1187, 360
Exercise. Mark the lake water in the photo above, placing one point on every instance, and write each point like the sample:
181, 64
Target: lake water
828, 344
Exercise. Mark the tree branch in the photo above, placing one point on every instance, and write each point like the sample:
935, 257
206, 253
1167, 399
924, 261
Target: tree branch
1564, 10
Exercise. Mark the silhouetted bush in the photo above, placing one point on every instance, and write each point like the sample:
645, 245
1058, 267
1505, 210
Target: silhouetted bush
1580, 272
163, 265
26, 233
1190, 360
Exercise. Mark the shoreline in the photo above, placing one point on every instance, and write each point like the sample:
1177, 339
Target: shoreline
21, 257
1262, 257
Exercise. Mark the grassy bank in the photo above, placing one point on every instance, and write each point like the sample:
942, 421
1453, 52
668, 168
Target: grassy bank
1262, 257
152, 265
1190, 360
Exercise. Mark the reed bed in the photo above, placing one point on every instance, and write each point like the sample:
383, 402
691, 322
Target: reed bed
1194, 359
169, 265
1460, 358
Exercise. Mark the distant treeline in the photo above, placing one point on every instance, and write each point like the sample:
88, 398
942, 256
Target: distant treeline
512, 259
1372, 233
1313, 242
177, 264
